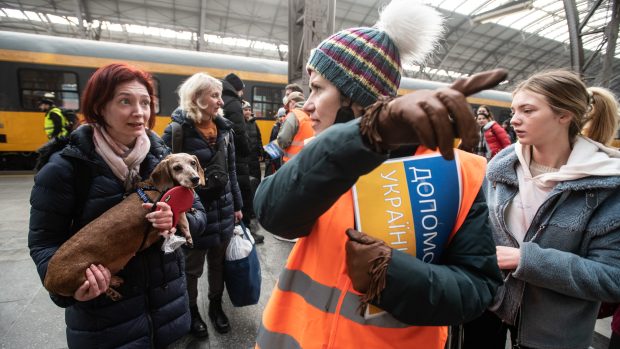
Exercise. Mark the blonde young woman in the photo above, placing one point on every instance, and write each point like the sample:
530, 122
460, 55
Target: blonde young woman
553, 200
208, 135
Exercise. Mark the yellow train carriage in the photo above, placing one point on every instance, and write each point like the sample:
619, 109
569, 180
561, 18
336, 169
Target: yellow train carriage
33, 65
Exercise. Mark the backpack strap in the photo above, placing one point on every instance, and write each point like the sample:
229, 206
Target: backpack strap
83, 176
177, 137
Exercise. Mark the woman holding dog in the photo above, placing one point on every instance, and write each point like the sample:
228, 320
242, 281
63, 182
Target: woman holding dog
206, 134
102, 162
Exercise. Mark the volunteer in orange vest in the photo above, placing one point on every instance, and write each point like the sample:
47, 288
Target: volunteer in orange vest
334, 270
296, 127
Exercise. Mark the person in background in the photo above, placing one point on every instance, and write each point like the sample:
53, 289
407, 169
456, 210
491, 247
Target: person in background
209, 136
509, 130
272, 165
493, 138
328, 277
232, 93
296, 127
100, 165
55, 122
553, 199
256, 153
292, 88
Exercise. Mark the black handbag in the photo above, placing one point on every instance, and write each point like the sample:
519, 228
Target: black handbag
216, 171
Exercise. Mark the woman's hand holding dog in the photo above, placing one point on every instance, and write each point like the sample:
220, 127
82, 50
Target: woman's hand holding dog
161, 219
97, 282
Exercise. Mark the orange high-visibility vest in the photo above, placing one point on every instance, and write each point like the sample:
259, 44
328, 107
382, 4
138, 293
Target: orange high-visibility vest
303, 131
314, 305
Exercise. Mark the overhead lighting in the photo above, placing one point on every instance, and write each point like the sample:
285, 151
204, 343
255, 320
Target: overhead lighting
504, 10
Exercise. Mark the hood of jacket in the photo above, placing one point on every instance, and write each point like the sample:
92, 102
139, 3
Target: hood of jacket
81, 146
179, 115
590, 165
228, 89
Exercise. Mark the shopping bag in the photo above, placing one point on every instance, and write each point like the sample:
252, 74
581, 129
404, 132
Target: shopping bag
243, 276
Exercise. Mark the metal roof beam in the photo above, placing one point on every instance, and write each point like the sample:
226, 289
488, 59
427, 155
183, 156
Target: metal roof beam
610, 52
576, 47
200, 42
590, 13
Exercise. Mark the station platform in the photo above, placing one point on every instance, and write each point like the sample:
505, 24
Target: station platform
29, 319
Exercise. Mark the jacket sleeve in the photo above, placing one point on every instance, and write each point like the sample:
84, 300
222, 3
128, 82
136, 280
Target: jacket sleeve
259, 141
458, 289
501, 135
234, 113
594, 276
167, 137
52, 200
288, 202
57, 121
288, 131
232, 173
197, 218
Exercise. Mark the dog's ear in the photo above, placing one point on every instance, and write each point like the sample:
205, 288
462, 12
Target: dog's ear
201, 172
161, 175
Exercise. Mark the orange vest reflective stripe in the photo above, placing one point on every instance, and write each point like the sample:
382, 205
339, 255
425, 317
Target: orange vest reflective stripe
303, 131
313, 305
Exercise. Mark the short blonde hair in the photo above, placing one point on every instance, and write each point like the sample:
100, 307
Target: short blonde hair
194, 87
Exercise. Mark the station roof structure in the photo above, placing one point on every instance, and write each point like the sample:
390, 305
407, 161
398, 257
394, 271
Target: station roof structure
479, 35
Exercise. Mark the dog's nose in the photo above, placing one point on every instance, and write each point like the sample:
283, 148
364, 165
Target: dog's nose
195, 180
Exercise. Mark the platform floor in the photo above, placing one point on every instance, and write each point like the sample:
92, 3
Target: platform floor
28, 319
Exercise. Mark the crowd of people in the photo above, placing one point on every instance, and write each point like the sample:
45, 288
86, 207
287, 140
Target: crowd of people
533, 251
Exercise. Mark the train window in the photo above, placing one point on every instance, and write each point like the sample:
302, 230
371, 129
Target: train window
266, 101
61, 86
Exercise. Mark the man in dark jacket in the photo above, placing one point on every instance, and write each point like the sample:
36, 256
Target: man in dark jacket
231, 95
256, 152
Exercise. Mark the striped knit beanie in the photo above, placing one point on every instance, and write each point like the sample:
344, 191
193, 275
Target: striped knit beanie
365, 63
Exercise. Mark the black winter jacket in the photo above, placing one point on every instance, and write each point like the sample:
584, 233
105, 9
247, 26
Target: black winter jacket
220, 211
256, 148
154, 310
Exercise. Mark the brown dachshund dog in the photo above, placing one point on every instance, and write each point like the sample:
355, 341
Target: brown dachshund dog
119, 233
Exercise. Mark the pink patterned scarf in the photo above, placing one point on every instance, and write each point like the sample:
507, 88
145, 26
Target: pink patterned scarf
123, 161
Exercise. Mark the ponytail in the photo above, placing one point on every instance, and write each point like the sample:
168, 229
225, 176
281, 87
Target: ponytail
602, 117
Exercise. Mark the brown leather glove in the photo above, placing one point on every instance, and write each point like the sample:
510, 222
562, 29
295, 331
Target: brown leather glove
367, 262
431, 118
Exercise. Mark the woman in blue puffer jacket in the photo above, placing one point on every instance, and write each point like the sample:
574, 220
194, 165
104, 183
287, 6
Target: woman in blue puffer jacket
101, 163
208, 135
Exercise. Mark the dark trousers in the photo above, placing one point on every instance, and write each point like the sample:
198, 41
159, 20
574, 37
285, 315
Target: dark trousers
489, 332
614, 342
194, 267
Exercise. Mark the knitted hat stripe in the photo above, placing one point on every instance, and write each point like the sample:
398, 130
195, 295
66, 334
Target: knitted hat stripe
360, 73
367, 47
375, 81
391, 57
334, 72
359, 48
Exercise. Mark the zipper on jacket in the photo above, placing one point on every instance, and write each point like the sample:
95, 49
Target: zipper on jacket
147, 304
